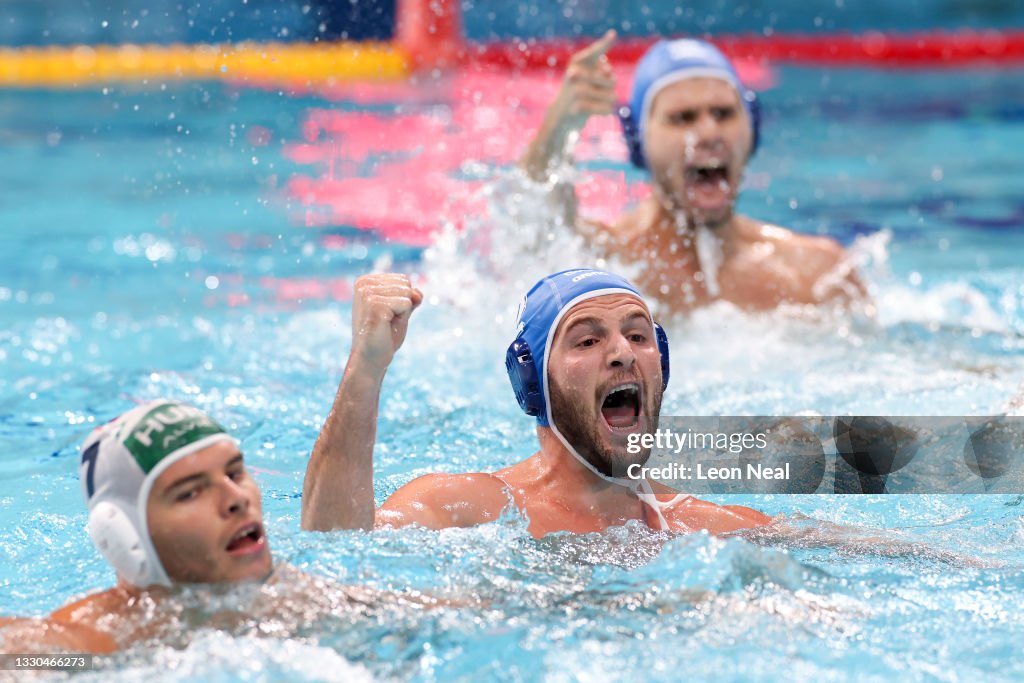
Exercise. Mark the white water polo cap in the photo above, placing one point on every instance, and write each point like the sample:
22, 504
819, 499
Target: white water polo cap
120, 463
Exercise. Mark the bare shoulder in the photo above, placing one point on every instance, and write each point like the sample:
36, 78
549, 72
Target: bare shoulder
640, 219
823, 250
689, 513
438, 501
54, 634
626, 229
811, 256
92, 607
694, 514
790, 245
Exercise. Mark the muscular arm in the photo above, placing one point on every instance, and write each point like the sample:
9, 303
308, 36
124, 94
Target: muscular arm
338, 488
749, 516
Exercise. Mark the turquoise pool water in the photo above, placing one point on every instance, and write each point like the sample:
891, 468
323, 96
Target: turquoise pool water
199, 240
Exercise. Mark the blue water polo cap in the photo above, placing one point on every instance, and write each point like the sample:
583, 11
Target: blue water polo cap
541, 310
667, 62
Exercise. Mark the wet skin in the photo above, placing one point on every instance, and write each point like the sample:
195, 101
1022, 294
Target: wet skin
195, 510
600, 343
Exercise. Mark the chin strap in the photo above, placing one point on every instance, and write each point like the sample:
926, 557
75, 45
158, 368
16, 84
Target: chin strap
649, 498
709, 254
641, 488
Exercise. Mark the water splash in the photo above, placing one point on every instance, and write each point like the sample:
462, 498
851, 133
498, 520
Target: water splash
217, 656
524, 235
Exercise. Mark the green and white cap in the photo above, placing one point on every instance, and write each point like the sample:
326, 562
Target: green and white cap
120, 462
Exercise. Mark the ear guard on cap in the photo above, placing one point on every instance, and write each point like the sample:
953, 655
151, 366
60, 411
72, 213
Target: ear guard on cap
114, 533
631, 130
754, 107
526, 380
662, 337
632, 135
522, 373
113, 528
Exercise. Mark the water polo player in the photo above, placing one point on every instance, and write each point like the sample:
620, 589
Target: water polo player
692, 125
588, 362
170, 501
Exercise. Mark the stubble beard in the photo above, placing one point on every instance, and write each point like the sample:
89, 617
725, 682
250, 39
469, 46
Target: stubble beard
584, 433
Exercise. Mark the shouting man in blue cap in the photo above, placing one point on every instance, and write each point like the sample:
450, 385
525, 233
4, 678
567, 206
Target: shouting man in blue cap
693, 126
588, 362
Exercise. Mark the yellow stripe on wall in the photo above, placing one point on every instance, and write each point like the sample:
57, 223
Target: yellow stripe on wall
287, 62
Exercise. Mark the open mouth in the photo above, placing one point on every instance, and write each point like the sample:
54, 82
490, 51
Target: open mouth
715, 174
248, 539
621, 407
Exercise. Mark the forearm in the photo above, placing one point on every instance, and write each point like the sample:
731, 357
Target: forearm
550, 144
854, 541
554, 194
588, 89
338, 489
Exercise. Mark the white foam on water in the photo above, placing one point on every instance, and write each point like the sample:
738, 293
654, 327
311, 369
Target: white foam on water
523, 237
725, 360
217, 656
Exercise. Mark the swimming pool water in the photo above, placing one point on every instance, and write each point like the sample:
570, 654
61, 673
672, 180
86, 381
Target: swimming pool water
199, 241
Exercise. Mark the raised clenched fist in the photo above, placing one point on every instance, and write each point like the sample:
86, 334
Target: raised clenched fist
381, 308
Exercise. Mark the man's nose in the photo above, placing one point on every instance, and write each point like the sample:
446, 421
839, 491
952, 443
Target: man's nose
620, 352
235, 497
707, 128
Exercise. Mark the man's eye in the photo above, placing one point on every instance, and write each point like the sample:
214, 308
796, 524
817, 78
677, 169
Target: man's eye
188, 494
588, 342
637, 338
723, 113
237, 475
682, 117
